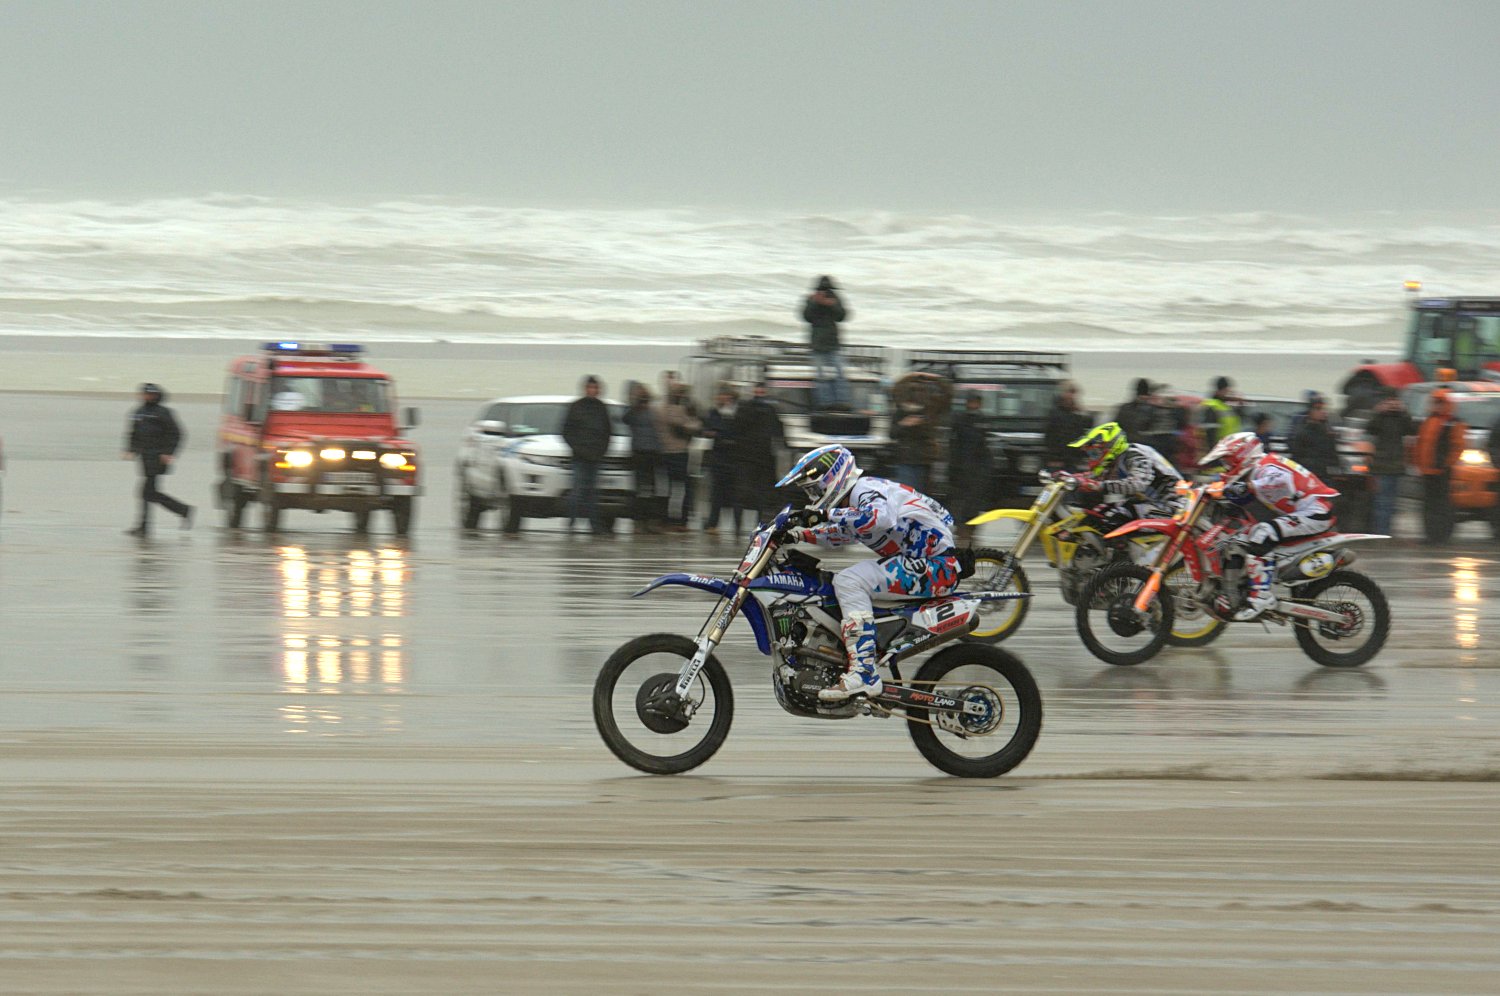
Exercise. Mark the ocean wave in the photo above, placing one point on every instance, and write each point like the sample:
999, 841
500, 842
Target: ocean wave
225, 263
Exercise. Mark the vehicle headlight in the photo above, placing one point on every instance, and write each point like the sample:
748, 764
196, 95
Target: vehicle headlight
393, 461
299, 458
332, 453
1475, 458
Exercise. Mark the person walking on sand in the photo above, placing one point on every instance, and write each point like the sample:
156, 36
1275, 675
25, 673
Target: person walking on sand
153, 436
587, 430
822, 311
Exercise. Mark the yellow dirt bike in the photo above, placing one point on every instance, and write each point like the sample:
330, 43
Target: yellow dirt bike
1073, 540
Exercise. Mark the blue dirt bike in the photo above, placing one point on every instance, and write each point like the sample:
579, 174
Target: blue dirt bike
663, 703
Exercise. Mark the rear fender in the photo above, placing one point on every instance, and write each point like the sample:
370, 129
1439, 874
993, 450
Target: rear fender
1164, 527
752, 610
1024, 516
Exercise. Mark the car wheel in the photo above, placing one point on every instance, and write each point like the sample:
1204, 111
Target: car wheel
510, 510
403, 509
467, 507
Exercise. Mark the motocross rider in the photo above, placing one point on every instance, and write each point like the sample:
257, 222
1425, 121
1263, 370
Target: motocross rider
1136, 480
1304, 507
911, 534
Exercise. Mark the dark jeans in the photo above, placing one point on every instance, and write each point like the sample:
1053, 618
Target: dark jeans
723, 494
583, 500
150, 468
1437, 507
1387, 488
679, 487
645, 467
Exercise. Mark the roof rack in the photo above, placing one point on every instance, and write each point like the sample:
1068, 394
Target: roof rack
945, 360
764, 351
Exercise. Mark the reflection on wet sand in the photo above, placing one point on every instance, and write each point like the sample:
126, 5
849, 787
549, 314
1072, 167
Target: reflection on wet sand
1466, 609
320, 657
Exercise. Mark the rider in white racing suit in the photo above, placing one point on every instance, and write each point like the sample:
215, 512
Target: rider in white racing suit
910, 533
1303, 505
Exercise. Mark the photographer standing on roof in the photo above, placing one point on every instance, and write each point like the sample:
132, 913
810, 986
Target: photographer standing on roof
153, 436
822, 311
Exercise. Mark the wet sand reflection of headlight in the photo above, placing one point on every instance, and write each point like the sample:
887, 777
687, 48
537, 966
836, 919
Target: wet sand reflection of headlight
1466, 615
326, 660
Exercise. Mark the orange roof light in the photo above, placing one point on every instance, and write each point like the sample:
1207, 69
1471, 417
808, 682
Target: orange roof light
1447, 374
1412, 285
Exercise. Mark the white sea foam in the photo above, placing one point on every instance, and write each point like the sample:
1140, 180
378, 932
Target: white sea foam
231, 266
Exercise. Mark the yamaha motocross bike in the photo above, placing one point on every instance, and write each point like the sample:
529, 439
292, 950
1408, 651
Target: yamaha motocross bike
663, 702
1340, 617
1074, 542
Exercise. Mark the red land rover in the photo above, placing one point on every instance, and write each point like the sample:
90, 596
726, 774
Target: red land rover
314, 427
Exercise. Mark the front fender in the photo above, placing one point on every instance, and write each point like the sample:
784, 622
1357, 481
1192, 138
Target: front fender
718, 586
1164, 526
1025, 516
752, 610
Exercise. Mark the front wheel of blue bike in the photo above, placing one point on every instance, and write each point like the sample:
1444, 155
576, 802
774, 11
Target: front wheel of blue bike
642, 719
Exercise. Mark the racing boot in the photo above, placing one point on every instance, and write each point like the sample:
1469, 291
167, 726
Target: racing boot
861, 678
1258, 598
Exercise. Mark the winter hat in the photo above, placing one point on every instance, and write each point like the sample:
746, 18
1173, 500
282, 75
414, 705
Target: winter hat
826, 284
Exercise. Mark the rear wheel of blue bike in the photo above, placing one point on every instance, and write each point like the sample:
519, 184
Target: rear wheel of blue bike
642, 719
1002, 718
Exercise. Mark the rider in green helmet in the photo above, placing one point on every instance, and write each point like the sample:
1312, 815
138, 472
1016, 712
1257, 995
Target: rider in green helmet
1132, 479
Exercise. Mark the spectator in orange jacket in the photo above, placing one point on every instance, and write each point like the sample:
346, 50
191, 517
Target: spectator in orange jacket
1440, 441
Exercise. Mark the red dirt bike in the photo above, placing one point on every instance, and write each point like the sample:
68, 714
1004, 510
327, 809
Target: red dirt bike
1125, 614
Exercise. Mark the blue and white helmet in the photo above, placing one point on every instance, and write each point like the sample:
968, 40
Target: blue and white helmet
826, 474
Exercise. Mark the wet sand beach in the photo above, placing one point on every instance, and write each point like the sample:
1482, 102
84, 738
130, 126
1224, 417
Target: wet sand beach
321, 762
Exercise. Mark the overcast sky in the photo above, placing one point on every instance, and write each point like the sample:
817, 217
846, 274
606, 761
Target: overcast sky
969, 107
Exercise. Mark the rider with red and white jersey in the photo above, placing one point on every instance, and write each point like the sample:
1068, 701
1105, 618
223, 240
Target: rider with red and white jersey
1302, 506
1135, 480
911, 534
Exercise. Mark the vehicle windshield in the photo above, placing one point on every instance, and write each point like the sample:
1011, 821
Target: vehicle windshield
793, 395
1462, 342
1008, 401
1281, 412
544, 418
329, 395
1477, 410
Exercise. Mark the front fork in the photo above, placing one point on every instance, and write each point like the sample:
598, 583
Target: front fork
709, 637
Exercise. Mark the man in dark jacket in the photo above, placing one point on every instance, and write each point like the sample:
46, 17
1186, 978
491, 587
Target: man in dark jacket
723, 467
969, 467
1138, 417
1067, 422
1314, 446
1388, 428
759, 437
586, 430
153, 437
822, 311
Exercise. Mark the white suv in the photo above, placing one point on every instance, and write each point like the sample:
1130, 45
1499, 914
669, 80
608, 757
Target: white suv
513, 459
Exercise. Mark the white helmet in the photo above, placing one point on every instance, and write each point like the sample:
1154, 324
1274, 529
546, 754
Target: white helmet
1238, 452
826, 474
